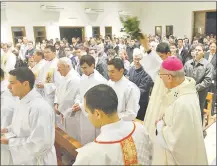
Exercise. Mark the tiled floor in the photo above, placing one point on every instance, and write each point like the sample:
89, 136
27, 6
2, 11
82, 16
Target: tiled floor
210, 143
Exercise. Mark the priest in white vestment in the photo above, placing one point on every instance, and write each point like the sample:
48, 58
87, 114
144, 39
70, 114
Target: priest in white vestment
7, 102
151, 62
89, 79
120, 142
40, 62
8, 59
179, 126
65, 97
30, 137
128, 93
49, 78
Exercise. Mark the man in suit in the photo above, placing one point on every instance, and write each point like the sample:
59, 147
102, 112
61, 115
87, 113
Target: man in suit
182, 52
59, 50
100, 63
74, 59
211, 57
201, 70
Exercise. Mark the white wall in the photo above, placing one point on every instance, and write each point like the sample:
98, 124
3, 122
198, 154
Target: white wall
178, 14
151, 14
30, 14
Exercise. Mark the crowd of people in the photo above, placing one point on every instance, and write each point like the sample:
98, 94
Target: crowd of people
91, 85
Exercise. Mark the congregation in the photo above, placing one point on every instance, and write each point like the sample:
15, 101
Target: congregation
96, 88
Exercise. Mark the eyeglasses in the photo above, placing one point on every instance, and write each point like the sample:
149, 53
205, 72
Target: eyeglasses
162, 74
165, 74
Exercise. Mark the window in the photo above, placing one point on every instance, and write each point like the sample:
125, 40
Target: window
96, 32
108, 31
39, 33
18, 33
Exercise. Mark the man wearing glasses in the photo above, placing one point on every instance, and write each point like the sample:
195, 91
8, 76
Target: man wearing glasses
179, 124
151, 63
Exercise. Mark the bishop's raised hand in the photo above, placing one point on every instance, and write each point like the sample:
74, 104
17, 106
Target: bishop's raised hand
145, 42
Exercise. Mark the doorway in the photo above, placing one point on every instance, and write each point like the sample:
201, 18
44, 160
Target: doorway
70, 32
211, 23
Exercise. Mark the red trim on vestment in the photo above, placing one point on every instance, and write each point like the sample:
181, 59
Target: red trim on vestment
113, 142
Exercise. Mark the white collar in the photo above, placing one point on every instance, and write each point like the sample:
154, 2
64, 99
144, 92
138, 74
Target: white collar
181, 49
70, 56
111, 126
91, 75
68, 75
4, 85
41, 61
122, 79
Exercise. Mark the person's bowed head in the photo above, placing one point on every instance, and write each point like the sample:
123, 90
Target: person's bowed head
101, 103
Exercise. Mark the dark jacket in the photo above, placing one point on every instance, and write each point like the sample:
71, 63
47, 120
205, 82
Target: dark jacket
107, 47
129, 51
202, 74
213, 62
185, 56
29, 53
74, 62
20, 63
61, 53
213, 88
144, 83
101, 67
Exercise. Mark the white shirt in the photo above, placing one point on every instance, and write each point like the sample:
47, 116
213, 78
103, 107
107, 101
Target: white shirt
33, 128
37, 68
65, 96
128, 98
210, 56
8, 61
7, 105
88, 131
112, 154
48, 92
180, 50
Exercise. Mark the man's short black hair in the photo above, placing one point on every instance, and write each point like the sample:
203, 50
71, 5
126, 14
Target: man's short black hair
180, 39
51, 47
172, 37
117, 63
102, 97
2, 74
24, 74
163, 48
88, 59
39, 53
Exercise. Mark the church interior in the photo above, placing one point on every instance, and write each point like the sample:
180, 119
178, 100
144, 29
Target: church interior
56, 57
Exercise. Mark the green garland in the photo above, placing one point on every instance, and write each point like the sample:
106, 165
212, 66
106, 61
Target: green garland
131, 27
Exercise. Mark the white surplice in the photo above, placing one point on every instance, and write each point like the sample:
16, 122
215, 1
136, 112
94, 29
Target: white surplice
33, 127
7, 105
48, 92
180, 137
128, 98
151, 64
8, 61
7, 111
88, 131
111, 154
66, 95
37, 68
